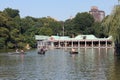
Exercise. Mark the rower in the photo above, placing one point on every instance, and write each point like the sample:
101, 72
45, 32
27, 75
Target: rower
17, 51
22, 51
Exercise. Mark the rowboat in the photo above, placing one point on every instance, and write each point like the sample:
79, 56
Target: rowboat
41, 52
75, 52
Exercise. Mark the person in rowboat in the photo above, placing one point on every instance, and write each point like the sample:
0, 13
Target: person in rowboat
22, 51
17, 51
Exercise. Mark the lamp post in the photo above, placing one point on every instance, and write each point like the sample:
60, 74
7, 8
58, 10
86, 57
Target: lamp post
63, 28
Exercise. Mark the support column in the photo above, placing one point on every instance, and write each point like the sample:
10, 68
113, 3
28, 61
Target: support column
65, 44
41, 43
106, 44
78, 46
99, 43
72, 43
52, 44
85, 43
59, 44
37, 44
92, 44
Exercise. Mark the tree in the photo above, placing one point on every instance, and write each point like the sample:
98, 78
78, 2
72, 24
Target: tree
11, 12
112, 27
26, 23
45, 31
3, 19
4, 36
98, 30
83, 21
49, 22
56, 27
2, 43
69, 28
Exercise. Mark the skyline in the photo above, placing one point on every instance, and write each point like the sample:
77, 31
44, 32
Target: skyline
59, 10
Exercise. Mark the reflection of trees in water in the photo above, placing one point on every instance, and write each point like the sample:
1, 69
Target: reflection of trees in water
114, 71
57, 63
9, 66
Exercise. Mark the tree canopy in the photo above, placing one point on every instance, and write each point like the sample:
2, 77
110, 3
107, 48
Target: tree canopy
112, 25
84, 21
16, 32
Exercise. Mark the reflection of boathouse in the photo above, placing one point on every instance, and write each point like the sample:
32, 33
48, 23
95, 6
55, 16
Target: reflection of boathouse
80, 41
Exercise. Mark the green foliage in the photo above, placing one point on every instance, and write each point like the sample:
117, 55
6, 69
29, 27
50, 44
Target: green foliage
45, 31
17, 32
3, 19
21, 45
4, 32
112, 25
30, 40
2, 43
98, 30
10, 45
56, 27
11, 12
81, 24
70, 28
83, 21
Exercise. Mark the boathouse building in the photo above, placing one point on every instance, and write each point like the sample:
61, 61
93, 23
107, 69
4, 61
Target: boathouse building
80, 41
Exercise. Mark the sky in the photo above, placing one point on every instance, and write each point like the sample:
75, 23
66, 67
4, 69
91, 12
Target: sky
60, 10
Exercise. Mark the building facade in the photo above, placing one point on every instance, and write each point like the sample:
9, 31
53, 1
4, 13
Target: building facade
97, 14
80, 41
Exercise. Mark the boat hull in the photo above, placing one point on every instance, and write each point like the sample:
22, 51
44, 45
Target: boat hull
41, 52
73, 52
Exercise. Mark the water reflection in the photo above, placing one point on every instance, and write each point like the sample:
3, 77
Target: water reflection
89, 64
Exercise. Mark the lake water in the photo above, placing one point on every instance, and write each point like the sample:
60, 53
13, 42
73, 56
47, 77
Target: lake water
58, 64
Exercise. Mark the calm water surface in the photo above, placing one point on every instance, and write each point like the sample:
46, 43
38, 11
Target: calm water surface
58, 64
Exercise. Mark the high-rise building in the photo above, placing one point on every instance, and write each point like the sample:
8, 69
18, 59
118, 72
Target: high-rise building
97, 14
